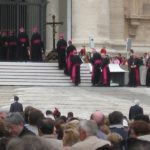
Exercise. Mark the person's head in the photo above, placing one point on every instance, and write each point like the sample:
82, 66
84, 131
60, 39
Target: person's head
70, 115
137, 102
21, 29
114, 138
74, 52
45, 126
48, 112
98, 117
142, 118
83, 51
94, 50
64, 118
34, 116
87, 128
27, 111
131, 52
115, 117
16, 98
14, 123
71, 135
35, 30
69, 42
30, 143
56, 113
61, 36
139, 128
105, 129
72, 124
103, 52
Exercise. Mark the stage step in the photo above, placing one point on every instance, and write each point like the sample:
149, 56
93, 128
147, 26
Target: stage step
39, 74
85, 75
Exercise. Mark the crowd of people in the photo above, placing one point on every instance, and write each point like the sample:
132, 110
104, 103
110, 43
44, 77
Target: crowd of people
31, 129
19, 47
70, 61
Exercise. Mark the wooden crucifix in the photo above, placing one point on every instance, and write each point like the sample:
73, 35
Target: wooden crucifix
53, 24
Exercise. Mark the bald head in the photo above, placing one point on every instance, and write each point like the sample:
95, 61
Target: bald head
98, 117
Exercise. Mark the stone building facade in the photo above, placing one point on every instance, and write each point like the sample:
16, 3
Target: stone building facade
108, 22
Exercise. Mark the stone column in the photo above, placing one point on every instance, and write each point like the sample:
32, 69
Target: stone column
90, 18
117, 24
52, 9
69, 20
62, 18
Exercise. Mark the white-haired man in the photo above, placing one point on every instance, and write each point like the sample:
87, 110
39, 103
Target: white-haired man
88, 136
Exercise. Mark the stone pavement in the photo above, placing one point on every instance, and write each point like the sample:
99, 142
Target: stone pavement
81, 100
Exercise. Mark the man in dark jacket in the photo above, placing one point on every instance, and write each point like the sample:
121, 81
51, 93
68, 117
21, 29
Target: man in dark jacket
16, 106
15, 125
135, 110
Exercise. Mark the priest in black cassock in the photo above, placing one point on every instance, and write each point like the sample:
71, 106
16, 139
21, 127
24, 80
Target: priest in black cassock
148, 71
96, 64
134, 74
0, 40
12, 55
61, 49
4, 46
23, 45
76, 62
105, 77
37, 48
69, 54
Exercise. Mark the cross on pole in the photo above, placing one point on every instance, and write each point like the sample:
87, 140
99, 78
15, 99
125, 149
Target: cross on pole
53, 24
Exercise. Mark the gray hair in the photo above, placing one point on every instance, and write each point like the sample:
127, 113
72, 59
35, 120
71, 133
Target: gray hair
14, 118
137, 102
29, 142
89, 126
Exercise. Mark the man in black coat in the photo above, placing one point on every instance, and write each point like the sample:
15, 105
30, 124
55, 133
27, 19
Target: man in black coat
75, 71
16, 106
135, 110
